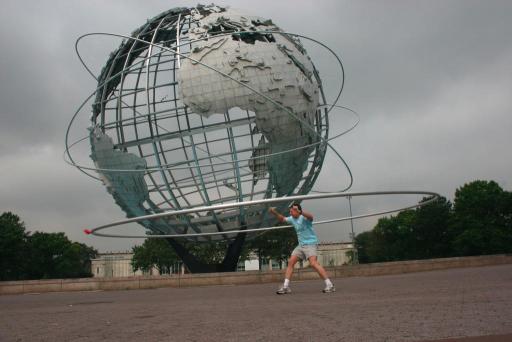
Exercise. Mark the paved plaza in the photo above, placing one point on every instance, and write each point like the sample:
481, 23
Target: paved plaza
466, 304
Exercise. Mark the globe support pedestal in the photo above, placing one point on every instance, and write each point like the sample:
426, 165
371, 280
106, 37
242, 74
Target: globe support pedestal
194, 265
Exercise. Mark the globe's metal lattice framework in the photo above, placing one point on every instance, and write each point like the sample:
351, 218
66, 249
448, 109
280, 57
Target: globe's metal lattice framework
158, 148
204, 117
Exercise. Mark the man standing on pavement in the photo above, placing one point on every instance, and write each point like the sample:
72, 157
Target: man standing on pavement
302, 221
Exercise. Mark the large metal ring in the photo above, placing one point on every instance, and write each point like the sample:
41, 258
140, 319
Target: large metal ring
95, 231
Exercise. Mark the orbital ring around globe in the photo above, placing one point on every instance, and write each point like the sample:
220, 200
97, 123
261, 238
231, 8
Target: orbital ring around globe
432, 196
166, 167
322, 140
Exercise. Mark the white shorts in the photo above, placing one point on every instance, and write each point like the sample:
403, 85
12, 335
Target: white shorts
304, 252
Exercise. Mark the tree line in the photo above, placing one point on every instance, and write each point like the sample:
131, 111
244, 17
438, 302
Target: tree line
271, 245
38, 255
478, 222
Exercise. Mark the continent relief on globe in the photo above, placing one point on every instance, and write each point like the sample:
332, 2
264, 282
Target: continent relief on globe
272, 64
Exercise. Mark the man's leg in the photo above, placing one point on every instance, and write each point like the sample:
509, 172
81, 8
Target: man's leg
288, 274
318, 268
329, 287
291, 264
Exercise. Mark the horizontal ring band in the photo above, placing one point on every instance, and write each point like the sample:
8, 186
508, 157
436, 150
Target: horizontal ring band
95, 230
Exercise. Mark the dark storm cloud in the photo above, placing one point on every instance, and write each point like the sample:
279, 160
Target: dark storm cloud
431, 80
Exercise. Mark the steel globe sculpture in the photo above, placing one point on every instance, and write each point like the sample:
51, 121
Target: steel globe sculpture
205, 106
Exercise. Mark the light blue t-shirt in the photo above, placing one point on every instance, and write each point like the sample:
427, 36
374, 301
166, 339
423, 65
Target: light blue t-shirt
304, 228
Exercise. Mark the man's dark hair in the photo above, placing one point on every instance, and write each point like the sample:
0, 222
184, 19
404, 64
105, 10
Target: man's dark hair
296, 204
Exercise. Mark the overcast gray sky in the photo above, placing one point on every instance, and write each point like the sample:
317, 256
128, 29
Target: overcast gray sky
431, 80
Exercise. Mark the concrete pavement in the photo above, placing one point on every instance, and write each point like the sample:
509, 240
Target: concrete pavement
474, 304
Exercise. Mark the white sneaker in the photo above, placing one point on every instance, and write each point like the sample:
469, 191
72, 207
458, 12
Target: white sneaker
284, 290
329, 289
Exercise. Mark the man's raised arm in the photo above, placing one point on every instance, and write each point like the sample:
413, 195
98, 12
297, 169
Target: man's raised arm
274, 212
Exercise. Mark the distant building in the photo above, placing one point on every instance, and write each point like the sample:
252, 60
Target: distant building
334, 253
329, 254
118, 264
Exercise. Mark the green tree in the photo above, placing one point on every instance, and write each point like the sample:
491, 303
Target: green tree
53, 255
482, 219
274, 244
431, 232
157, 253
412, 234
479, 222
154, 253
213, 252
392, 238
86, 254
13, 247
363, 242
